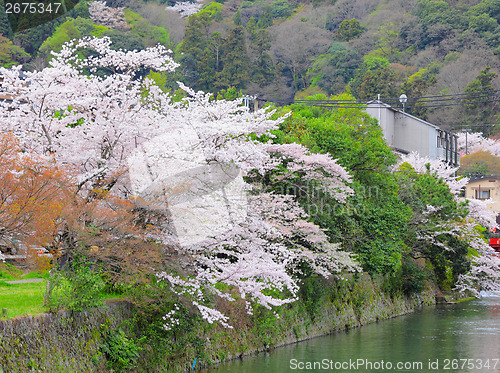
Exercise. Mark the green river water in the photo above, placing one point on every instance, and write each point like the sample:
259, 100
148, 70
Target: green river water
463, 337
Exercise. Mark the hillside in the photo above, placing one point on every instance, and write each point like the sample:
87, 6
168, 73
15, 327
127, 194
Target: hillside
283, 49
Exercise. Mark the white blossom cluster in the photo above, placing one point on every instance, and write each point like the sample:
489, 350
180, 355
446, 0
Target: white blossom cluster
485, 270
477, 208
186, 8
474, 141
321, 168
170, 320
437, 167
111, 17
212, 315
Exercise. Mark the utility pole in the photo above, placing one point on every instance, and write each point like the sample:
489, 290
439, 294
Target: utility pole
466, 148
466, 142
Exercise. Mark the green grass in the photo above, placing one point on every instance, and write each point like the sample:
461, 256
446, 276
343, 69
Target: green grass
465, 299
9, 272
36, 274
28, 298
20, 299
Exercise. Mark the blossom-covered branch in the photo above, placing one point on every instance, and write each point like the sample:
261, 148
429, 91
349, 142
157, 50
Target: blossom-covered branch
185, 160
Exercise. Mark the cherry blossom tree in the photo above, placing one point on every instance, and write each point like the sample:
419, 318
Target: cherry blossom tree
89, 122
107, 16
121, 134
485, 269
435, 166
186, 8
474, 141
485, 265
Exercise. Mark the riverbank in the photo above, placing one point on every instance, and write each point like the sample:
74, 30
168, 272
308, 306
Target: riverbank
432, 340
88, 341
361, 302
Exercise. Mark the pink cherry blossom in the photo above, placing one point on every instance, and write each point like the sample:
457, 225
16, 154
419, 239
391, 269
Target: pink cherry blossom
103, 125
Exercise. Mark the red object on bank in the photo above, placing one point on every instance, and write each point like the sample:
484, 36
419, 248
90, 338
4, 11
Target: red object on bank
495, 243
495, 239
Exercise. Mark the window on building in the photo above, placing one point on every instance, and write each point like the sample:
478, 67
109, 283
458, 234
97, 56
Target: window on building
441, 142
482, 194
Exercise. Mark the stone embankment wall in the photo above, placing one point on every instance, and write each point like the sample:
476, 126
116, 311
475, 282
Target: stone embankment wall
58, 342
367, 304
71, 341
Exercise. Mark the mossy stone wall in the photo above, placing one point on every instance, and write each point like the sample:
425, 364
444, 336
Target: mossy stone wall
71, 341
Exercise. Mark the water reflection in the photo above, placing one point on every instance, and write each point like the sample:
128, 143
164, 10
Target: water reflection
464, 337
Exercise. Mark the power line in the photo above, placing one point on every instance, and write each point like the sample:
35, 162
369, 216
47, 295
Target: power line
451, 95
362, 106
419, 101
450, 104
328, 101
418, 104
475, 125
462, 100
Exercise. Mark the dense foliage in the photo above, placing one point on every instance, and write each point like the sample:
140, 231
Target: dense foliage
399, 215
374, 221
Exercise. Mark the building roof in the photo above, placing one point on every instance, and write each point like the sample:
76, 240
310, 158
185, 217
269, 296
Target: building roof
483, 177
387, 106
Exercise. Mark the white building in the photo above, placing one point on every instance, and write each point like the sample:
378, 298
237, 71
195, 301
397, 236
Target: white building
405, 133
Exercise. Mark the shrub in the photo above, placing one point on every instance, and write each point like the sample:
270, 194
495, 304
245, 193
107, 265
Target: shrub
75, 287
120, 350
413, 278
311, 292
408, 279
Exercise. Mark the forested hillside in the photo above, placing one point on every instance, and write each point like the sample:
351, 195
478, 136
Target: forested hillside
283, 49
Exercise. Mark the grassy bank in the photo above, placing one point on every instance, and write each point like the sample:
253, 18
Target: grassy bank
23, 298
26, 298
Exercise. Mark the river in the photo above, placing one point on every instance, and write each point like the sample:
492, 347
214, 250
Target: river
463, 337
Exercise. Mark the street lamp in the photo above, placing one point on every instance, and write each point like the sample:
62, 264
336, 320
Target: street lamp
403, 98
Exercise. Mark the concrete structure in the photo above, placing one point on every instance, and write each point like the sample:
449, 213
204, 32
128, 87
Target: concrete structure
406, 133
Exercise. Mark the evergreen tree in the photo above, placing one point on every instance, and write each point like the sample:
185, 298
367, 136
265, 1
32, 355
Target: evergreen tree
480, 109
381, 81
195, 37
210, 65
266, 18
416, 86
264, 70
5, 29
235, 60
251, 25
193, 46
237, 19
349, 29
